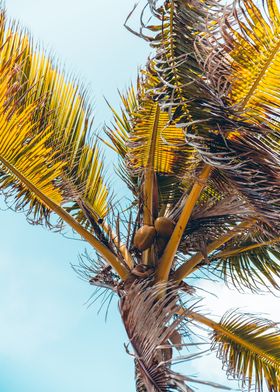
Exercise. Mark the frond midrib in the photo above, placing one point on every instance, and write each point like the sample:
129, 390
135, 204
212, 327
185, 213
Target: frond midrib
102, 249
222, 330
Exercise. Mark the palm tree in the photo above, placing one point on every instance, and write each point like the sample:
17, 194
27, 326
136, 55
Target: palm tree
198, 147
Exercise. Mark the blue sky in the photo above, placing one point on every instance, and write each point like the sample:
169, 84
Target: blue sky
50, 341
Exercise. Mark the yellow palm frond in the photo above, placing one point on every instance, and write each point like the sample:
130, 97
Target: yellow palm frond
250, 347
48, 163
35, 78
30, 170
253, 43
144, 136
155, 142
151, 136
94, 192
25, 149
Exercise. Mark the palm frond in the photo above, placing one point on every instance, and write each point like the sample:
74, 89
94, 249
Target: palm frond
245, 52
179, 71
86, 181
219, 207
217, 132
181, 50
247, 164
60, 104
250, 349
248, 264
205, 253
25, 153
143, 136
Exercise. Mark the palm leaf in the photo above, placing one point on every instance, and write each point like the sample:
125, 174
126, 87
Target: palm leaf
144, 137
180, 72
181, 50
255, 87
245, 53
89, 189
250, 348
31, 173
44, 143
61, 104
215, 130
25, 149
253, 270
219, 207
249, 166
250, 260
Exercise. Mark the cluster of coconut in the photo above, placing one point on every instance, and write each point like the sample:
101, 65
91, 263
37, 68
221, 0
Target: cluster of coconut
161, 232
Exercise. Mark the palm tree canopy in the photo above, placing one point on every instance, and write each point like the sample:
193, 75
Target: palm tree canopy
198, 147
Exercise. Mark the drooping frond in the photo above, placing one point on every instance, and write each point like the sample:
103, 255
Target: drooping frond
31, 171
26, 152
26, 158
60, 105
249, 264
250, 349
48, 162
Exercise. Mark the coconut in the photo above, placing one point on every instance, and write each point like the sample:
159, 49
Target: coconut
144, 237
164, 227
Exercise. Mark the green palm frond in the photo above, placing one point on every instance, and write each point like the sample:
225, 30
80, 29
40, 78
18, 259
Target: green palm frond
250, 349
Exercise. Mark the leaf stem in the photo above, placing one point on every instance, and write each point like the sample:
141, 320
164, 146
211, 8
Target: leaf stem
165, 263
149, 187
233, 252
